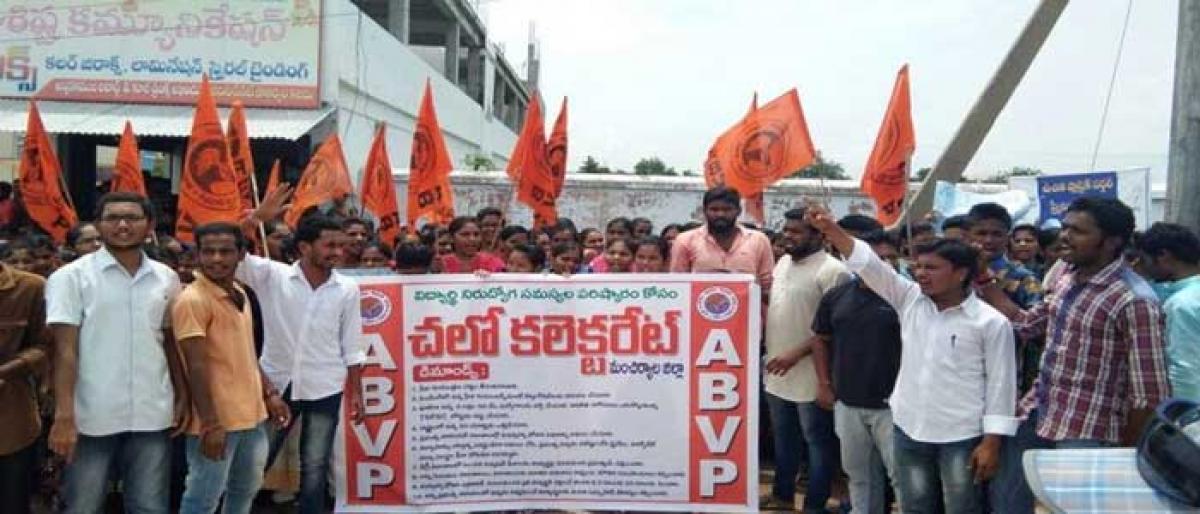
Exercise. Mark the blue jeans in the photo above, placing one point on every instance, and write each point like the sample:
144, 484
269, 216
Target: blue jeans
866, 437
1008, 492
144, 461
794, 424
318, 422
238, 475
920, 465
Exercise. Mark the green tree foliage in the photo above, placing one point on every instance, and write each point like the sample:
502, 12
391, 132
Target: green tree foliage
822, 168
1002, 176
478, 162
652, 166
591, 166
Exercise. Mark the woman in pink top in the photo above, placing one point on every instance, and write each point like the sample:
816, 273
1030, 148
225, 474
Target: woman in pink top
619, 255
467, 257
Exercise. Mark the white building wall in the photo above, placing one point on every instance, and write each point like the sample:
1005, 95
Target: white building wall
590, 200
370, 77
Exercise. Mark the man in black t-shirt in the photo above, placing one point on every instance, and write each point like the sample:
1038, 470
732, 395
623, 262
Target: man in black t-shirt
856, 360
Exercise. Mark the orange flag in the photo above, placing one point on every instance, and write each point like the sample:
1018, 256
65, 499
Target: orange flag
429, 191
769, 144
556, 150
41, 181
377, 191
535, 181
886, 175
238, 140
273, 180
127, 174
755, 205
325, 178
209, 187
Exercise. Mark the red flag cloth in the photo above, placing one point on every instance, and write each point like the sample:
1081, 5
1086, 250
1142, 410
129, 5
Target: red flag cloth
273, 180
886, 175
429, 191
41, 181
377, 191
239, 152
326, 178
535, 181
209, 186
556, 150
127, 173
767, 145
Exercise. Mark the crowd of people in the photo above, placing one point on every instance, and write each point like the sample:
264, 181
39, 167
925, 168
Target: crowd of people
923, 361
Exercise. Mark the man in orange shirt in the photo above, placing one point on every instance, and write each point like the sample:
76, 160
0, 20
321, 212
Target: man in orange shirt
227, 442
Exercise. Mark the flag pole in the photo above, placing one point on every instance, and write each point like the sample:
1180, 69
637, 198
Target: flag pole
904, 207
262, 228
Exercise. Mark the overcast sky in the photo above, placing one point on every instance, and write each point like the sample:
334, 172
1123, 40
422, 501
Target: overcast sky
665, 77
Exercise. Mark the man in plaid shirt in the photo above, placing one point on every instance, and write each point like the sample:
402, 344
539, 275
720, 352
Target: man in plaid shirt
1104, 367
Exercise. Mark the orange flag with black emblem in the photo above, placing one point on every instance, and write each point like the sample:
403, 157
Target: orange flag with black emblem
377, 191
886, 175
208, 190
556, 156
535, 180
429, 191
768, 144
42, 182
755, 205
239, 152
556, 149
273, 180
326, 178
127, 173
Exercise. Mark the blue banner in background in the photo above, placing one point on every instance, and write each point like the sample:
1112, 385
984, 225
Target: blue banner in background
1056, 192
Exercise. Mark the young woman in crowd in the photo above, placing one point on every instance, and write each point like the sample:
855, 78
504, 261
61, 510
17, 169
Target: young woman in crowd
670, 232
467, 256
510, 237
651, 255
593, 243
617, 228
526, 258
618, 253
374, 255
566, 259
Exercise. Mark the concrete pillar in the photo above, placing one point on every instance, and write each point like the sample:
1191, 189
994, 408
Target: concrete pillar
475, 74
397, 19
1183, 172
979, 120
452, 38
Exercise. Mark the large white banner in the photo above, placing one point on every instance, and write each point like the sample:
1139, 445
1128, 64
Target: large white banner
263, 52
615, 392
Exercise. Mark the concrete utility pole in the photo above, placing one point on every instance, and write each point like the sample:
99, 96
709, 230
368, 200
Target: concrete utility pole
974, 128
1183, 175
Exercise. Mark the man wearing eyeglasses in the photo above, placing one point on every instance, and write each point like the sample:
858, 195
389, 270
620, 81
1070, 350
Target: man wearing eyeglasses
117, 378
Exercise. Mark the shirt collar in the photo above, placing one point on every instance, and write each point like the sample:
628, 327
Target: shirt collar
7, 280
738, 233
1000, 262
105, 259
298, 274
1109, 273
204, 282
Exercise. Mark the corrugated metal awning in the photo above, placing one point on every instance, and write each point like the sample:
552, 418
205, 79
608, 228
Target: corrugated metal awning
153, 120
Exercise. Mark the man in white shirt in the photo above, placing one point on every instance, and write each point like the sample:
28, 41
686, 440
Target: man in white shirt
313, 348
955, 395
117, 374
800, 279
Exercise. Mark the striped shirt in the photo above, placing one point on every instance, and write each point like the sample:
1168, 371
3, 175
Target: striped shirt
1105, 354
